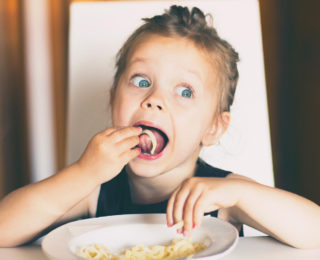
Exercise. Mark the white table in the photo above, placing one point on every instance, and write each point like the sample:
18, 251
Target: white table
257, 248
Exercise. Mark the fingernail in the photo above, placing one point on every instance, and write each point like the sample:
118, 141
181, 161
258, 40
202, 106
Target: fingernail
185, 233
194, 226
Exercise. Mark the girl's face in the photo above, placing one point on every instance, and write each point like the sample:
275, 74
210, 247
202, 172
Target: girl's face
169, 86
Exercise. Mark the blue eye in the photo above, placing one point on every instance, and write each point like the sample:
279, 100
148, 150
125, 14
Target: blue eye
140, 82
184, 92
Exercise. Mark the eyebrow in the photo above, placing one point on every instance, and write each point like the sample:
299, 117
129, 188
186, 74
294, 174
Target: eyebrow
137, 60
143, 60
195, 73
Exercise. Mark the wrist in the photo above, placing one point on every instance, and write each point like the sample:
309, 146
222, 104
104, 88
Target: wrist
246, 190
84, 175
238, 189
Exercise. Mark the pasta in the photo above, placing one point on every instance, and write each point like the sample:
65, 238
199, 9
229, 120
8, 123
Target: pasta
178, 248
96, 251
153, 139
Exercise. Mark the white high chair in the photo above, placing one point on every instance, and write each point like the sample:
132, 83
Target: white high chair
97, 31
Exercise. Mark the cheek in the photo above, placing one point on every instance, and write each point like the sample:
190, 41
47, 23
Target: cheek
120, 109
190, 128
195, 124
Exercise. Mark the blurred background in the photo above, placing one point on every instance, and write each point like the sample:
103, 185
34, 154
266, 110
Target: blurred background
34, 76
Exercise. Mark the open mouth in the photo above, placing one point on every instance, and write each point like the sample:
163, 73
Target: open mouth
152, 141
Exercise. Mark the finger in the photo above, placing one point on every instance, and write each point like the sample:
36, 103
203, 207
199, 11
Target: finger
199, 210
179, 203
129, 155
189, 211
170, 207
108, 131
128, 143
125, 132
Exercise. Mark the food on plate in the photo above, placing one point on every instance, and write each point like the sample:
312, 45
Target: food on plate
96, 251
178, 248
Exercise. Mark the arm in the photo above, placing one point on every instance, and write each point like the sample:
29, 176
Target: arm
283, 215
287, 217
26, 212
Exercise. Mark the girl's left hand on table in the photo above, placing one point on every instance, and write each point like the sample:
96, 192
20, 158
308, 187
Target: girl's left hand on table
199, 195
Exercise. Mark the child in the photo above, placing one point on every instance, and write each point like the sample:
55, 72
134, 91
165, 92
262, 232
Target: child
176, 79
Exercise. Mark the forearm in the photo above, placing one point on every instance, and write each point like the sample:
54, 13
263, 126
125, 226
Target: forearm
283, 215
27, 211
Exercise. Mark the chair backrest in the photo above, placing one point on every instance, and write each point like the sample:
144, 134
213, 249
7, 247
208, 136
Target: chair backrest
98, 29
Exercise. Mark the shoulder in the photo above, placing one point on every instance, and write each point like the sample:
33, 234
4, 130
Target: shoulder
110, 195
84, 208
104, 190
92, 202
237, 176
206, 170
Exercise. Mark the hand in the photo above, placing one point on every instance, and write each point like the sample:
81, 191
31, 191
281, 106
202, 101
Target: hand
198, 195
109, 151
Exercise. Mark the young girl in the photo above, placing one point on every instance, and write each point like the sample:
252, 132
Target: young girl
172, 93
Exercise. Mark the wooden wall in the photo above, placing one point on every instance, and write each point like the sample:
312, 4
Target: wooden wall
291, 38
14, 160
59, 26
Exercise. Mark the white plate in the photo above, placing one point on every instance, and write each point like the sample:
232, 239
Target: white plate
123, 231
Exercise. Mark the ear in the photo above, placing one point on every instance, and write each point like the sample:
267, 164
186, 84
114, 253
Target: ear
216, 130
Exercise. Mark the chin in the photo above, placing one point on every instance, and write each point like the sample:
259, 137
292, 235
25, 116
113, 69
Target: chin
143, 170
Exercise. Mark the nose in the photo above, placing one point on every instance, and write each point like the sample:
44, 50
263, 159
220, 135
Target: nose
153, 101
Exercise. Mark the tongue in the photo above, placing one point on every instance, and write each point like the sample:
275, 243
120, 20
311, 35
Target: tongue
146, 144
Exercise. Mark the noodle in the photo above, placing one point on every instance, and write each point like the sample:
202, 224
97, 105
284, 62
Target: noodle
152, 138
180, 247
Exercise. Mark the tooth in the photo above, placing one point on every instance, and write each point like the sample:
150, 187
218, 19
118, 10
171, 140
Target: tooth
153, 139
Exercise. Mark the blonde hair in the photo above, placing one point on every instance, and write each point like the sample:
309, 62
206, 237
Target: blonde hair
192, 25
